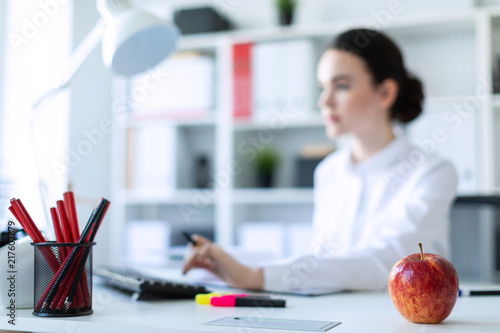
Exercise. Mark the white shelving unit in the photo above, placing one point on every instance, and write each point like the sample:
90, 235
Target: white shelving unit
455, 55
272, 196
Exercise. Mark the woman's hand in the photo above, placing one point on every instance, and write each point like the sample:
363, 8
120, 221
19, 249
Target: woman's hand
209, 256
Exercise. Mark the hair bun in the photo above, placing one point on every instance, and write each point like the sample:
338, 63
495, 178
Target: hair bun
408, 106
384, 60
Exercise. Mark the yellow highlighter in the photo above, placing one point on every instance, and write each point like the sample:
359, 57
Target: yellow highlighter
204, 299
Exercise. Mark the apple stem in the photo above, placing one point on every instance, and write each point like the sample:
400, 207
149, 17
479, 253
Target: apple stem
421, 251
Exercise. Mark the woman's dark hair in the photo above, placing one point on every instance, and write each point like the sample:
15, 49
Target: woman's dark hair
384, 60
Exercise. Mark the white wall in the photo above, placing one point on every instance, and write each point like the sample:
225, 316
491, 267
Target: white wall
3, 27
90, 173
4, 195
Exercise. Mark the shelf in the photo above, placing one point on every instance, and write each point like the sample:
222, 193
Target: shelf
273, 196
494, 11
437, 103
203, 42
437, 100
422, 25
314, 120
208, 120
434, 24
496, 101
167, 197
207, 196
310, 121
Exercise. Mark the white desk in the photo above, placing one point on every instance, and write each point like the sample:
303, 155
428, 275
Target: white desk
358, 312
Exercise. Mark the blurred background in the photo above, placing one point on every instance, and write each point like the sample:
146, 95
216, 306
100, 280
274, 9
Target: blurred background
222, 137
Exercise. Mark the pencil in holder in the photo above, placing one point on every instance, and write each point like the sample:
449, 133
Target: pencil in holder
63, 279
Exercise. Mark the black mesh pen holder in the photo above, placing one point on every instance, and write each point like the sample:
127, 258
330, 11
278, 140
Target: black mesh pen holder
63, 279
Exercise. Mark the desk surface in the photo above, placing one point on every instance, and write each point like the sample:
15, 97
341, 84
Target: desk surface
358, 312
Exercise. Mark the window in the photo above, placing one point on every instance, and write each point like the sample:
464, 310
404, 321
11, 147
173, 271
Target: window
35, 43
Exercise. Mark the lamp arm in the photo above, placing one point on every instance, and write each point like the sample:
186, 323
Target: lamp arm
75, 62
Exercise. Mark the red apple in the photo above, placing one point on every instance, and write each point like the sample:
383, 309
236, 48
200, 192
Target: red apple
423, 287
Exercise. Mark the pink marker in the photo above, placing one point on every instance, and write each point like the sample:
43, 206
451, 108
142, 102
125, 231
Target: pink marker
254, 301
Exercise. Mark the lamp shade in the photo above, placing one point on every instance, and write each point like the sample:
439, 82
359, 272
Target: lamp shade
135, 41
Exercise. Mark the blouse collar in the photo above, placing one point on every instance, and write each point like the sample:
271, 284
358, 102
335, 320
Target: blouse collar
380, 160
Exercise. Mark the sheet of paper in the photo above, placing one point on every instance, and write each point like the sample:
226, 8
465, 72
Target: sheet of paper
274, 323
310, 291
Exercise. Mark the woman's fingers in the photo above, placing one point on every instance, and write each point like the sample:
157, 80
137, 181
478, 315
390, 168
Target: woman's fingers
199, 257
187, 263
200, 240
189, 260
203, 251
209, 256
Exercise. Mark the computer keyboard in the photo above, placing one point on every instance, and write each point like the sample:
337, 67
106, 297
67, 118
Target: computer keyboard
144, 287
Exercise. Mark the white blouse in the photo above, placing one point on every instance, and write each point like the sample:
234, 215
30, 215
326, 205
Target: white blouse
369, 215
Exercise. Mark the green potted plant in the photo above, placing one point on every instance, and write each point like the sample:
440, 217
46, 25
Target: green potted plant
265, 163
286, 9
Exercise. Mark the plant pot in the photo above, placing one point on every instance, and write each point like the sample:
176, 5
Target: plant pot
286, 18
265, 180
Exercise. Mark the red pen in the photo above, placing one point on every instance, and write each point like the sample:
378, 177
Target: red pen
70, 208
65, 225
57, 225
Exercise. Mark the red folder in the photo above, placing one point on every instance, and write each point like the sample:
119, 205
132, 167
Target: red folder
242, 80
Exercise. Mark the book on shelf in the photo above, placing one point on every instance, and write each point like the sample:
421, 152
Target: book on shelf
182, 86
151, 159
242, 80
154, 251
283, 75
452, 137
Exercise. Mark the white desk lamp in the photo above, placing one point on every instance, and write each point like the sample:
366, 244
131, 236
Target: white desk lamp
133, 41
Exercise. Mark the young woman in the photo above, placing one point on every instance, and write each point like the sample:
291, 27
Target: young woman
375, 200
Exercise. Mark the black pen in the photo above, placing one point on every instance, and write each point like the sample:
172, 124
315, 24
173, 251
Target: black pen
479, 291
189, 238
